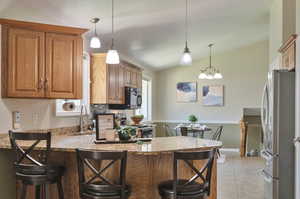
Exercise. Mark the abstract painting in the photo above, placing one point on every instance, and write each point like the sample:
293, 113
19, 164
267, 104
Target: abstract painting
186, 92
213, 95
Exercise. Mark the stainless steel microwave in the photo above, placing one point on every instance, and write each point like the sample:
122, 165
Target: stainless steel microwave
133, 99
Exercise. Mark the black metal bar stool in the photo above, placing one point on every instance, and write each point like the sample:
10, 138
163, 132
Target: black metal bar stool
98, 186
189, 188
35, 171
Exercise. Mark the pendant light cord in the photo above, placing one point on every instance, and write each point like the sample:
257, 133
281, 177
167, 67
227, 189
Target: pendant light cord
186, 23
210, 46
112, 25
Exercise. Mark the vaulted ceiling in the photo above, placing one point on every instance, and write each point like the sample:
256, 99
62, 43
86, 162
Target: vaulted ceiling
151, 32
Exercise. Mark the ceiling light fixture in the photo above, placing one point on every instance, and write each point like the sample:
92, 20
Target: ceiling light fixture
112, 56
210, 72
95, 40
186, 58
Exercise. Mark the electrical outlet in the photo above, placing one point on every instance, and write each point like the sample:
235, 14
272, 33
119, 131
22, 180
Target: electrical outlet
35, 119
16, 120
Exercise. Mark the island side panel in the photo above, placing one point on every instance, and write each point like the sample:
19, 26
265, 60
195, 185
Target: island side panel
144, 173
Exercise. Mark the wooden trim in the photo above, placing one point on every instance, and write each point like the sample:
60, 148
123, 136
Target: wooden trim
288, 43
43, 27
4, 60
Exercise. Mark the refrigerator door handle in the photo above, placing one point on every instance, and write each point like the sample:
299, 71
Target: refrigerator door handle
264, 105
297, 140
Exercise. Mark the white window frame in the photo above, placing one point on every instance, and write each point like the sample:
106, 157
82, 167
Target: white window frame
149, 105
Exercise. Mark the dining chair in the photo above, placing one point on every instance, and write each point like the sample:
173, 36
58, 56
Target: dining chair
217, 136
189, 188
34, 169
184, 131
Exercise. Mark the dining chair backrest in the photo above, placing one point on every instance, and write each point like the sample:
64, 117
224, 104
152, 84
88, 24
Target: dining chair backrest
86, 158
24, 154
218, 133
204, 173
184, 131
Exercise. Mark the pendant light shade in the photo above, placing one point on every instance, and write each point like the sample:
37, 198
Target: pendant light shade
112, 56
186, 58
95, 40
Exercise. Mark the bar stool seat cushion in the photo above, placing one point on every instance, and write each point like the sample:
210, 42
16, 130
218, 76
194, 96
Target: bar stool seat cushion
101, 189
193, 189
34, 174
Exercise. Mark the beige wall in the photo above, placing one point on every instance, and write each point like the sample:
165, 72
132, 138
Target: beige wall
244, 70
276, 28
282, 24
289, 18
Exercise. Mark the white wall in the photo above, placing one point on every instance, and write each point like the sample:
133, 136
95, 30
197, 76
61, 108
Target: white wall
245, 72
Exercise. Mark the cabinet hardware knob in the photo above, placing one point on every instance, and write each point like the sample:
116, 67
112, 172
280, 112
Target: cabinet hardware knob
40, 84
46, 83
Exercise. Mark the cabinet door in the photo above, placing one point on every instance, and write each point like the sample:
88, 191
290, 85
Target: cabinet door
121, 87
63, 66
134, 78
127, 76
25, 63
139, 80
112, 90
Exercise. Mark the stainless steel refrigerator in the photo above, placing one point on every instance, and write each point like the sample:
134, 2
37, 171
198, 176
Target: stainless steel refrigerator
278, 122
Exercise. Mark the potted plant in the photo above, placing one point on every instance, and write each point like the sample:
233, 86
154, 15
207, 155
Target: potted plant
137, 119
193, 119
125, 133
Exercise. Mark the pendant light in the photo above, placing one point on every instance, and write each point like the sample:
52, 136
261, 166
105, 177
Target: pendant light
95, 40
210, 72
186, 58
112, 56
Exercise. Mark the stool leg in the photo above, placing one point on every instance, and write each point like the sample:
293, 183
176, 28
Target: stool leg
24, 190
60, 189
38, 191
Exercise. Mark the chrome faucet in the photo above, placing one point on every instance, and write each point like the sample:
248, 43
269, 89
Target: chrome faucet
82, 122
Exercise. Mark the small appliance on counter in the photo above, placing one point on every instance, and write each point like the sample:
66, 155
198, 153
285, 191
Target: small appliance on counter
133, 99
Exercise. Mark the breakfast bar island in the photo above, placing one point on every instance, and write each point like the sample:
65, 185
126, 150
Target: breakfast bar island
148, 163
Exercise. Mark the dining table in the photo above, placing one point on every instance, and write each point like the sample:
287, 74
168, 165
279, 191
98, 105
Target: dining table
198, 130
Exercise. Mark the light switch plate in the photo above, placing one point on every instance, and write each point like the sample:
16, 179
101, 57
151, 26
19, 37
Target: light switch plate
16, 120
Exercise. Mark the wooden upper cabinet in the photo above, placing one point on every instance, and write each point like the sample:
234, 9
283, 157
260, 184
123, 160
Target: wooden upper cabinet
132, 75
41, 61
288, 51
63, 66
107, 81
25, 74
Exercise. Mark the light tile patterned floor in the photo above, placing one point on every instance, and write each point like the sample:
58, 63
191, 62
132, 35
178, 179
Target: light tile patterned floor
239, 178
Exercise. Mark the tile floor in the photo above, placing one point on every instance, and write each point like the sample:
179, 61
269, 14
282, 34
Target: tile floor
240, 178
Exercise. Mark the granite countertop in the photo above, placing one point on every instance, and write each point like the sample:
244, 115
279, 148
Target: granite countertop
68, 143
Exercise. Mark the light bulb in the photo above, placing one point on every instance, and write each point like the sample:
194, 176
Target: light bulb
202, 76
95, 42
209, 76
112, 57
218, 76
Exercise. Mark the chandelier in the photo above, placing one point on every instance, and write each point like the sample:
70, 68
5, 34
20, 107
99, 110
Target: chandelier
210, 72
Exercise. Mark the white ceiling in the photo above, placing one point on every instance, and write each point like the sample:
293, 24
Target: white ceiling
151, 32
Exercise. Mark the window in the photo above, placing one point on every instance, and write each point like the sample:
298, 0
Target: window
146, 103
